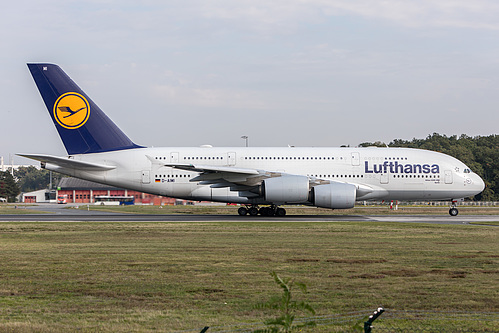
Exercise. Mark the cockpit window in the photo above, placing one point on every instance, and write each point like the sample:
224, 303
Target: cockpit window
467, 171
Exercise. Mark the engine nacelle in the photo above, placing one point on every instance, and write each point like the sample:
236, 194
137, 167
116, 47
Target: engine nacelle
286, 189
335, 196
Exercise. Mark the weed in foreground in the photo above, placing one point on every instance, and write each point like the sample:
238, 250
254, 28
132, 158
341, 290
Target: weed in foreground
286, 307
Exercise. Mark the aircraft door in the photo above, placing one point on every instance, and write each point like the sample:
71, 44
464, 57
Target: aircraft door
146, 176
448, 177
174, 157
231, 158
355, 159
384, 178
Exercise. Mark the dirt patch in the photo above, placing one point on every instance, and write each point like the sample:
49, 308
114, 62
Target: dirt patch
403, 273
464, 256
302, 260
368, 276
450, 243
356, 261
451, 274
207, 291
489, 271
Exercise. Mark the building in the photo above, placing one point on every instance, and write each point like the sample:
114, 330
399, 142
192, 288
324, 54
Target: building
38, 196
84, 191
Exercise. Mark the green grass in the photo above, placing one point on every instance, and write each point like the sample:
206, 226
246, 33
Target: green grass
18, 209
485, 223
295, 210
142, 277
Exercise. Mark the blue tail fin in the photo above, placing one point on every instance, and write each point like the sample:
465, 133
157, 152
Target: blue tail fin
81, 124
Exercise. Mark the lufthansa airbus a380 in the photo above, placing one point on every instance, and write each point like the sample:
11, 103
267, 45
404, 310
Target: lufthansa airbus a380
261, 179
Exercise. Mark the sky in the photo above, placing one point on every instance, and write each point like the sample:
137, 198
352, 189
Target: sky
282, 72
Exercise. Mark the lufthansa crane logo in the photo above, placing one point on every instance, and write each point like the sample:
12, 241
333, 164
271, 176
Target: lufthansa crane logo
71, 110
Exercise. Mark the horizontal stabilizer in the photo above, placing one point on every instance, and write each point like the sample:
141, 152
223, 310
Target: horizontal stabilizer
65, 162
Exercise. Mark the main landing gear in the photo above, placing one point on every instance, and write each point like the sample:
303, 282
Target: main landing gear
453, 210
273, 210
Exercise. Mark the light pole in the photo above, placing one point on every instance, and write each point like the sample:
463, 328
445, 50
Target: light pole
245, 137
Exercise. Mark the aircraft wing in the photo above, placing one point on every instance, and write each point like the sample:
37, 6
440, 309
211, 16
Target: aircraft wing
238, 179
68, 163
244, 180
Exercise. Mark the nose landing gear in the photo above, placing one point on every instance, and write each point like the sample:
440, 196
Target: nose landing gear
453, 210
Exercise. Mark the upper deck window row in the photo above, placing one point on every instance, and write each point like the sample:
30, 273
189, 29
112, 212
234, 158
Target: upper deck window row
288, 158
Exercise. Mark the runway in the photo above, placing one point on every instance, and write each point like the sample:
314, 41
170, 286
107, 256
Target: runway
432, 219
56, 213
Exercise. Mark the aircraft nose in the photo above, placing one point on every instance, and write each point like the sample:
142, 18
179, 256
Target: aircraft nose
480, 183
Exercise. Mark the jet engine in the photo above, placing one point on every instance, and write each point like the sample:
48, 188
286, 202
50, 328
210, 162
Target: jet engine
286, 189
335, 195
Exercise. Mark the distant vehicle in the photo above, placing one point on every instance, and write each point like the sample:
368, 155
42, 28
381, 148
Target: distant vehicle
3, 200
62, 199
332, 178
117, 200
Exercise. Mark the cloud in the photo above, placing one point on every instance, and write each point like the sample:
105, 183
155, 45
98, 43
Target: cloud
478, 14
207, 97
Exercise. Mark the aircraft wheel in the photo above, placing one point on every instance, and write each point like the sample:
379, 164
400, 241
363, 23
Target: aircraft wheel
263, 211
242, 211
280, 212
453, 212
269, 212
253, 211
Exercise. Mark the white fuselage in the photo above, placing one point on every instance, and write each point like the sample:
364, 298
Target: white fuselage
383, 173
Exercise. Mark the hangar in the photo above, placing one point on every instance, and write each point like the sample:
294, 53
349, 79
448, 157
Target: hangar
84, 191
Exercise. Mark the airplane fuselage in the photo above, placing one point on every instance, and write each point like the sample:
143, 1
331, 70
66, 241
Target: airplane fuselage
383, 173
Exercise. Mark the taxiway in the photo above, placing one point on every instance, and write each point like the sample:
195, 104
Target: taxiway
56, 213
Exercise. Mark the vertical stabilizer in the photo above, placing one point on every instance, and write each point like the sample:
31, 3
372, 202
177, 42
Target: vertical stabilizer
81, 124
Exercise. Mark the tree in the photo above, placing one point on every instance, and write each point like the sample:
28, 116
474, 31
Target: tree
373, 144
32, 179
8, 187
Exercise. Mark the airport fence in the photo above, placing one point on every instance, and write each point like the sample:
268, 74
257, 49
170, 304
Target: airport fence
390, 321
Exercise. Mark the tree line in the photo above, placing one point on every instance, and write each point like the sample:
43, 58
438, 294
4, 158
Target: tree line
8, 187
26, 179
33, 179
479, 153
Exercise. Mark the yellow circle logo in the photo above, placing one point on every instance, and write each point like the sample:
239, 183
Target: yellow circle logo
71, 110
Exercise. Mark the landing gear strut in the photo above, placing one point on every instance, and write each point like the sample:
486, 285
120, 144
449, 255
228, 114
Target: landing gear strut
264, 211
453, 210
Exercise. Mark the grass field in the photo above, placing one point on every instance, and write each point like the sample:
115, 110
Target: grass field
296, 210
144, 277
17, 209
